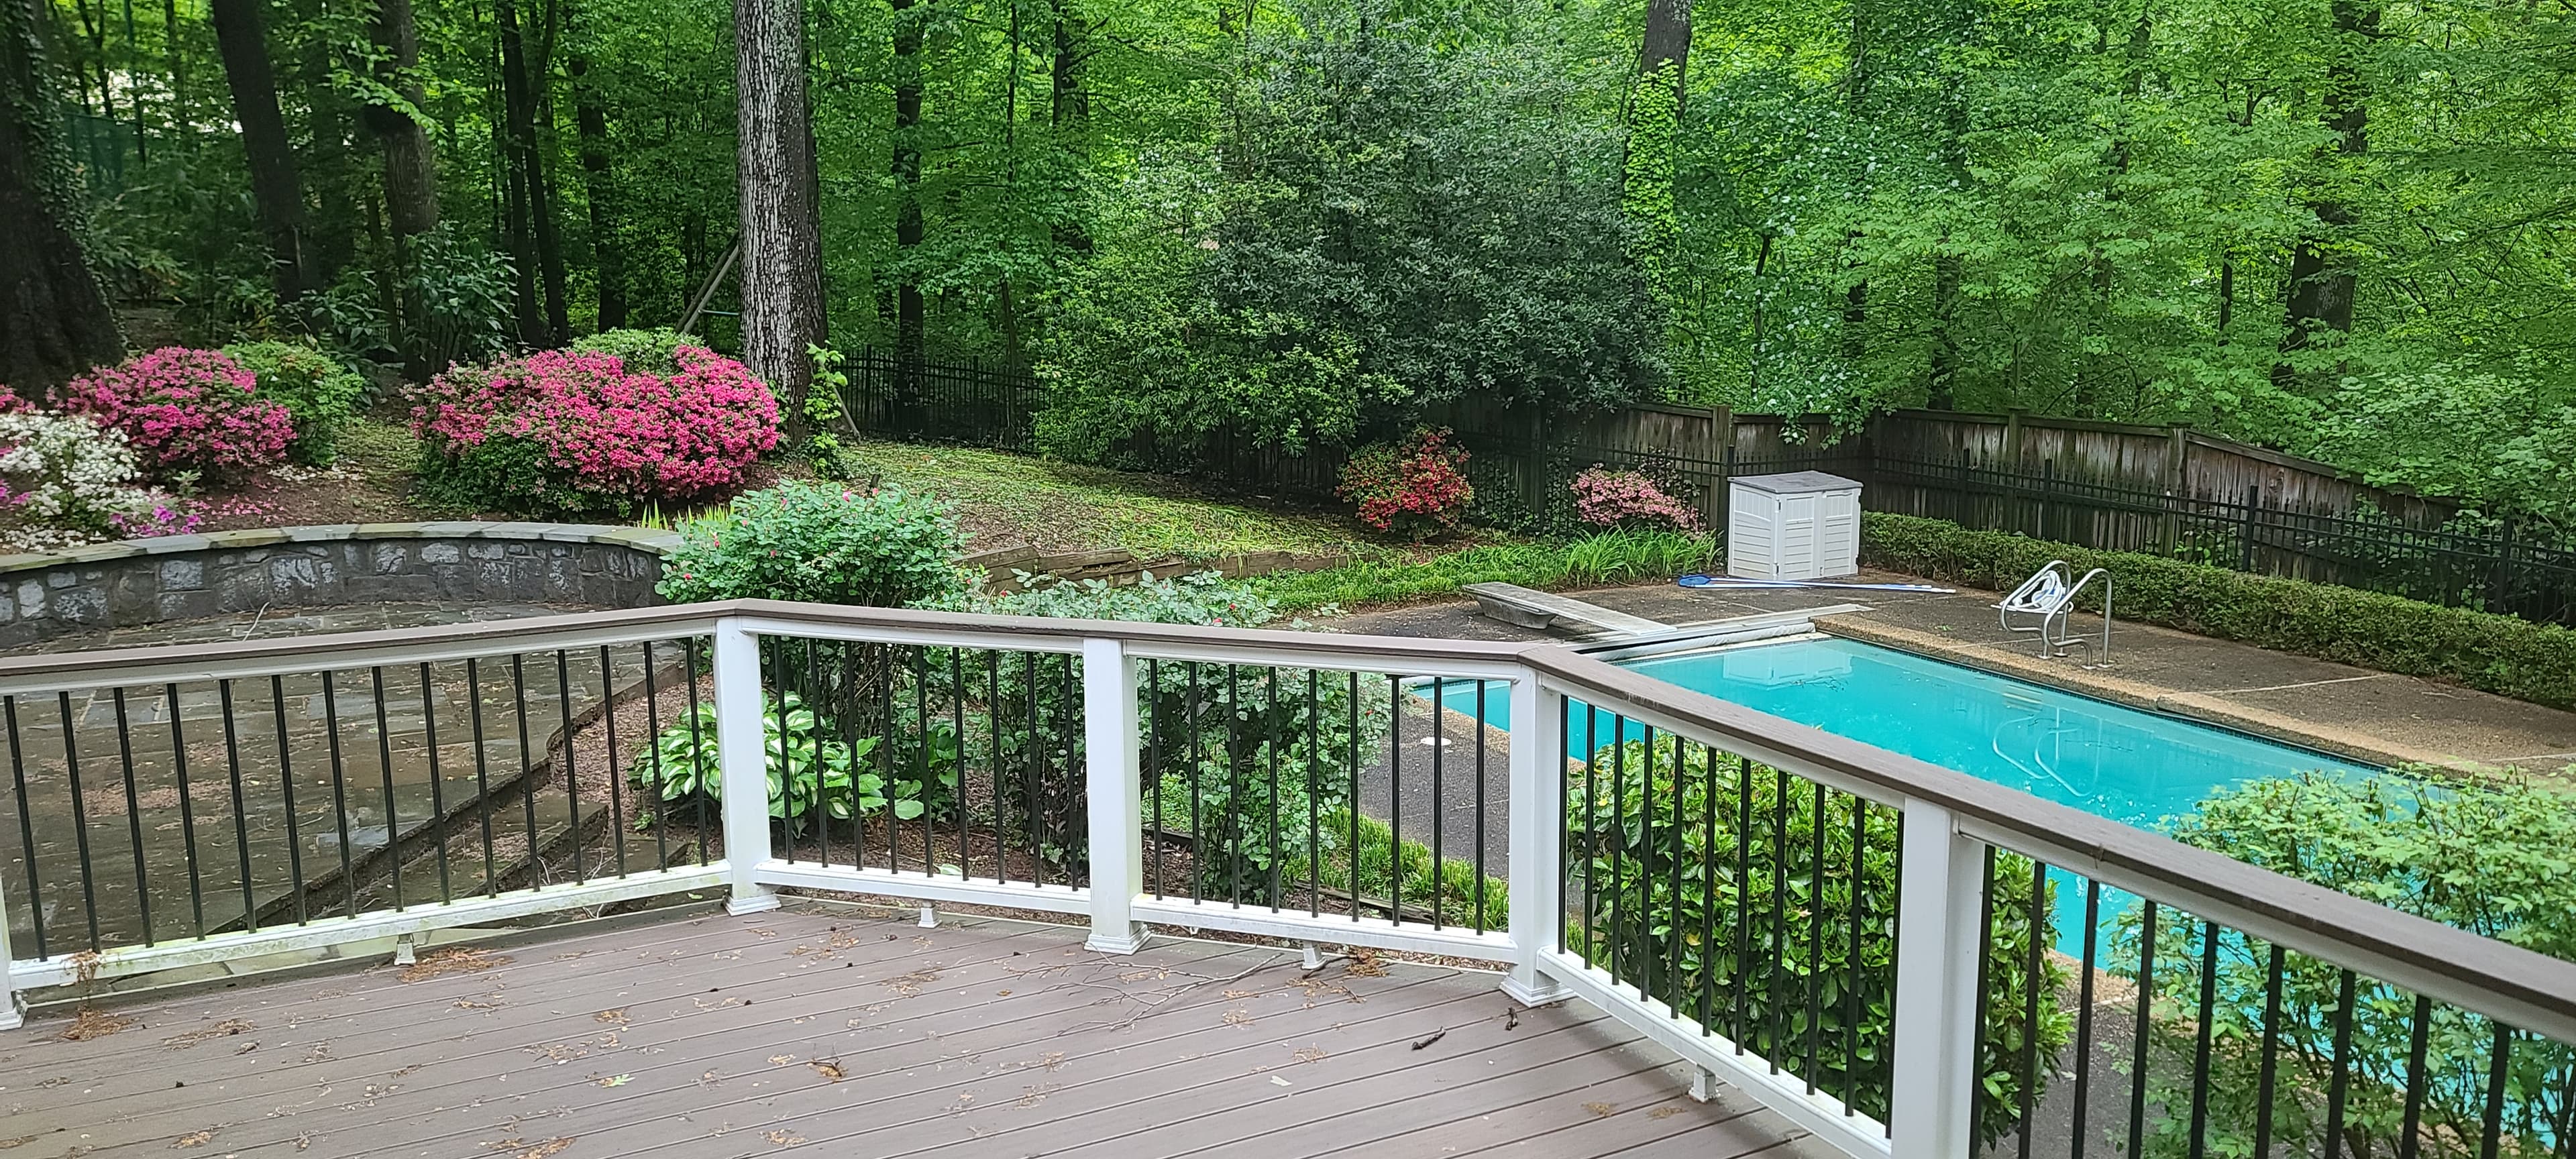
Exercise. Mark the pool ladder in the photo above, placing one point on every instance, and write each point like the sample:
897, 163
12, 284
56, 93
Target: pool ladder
2049, 594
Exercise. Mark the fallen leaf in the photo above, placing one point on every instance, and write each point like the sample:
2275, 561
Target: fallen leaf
1242, 994
617, 1080
781, 1059
196, 1138
223, 1029
830, 1069
1277, 1081
1311, 1054
617, 1016
1238, 1018
541, 1150
1663, 1112
455, 960
93, 1022
783, 1139
1602, 1110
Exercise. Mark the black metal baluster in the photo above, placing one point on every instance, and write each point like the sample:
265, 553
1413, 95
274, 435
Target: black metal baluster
1198, 795
286, 784
241, 814
2084, 1019
957, 725
993, 770
527, 761
816, 702
1035, 804
921, 746
2271, 1055
27, 828
1153, 771
1481, 925
1736, 979
2341, 1084
2491, 1125
133, 812
572, 781
653, 757
2199, 1143
1815, 934
1234, 786
1314, 759
482, 775
790, 814
438, 782
1351, 763
187, 810
1895, 938
1591, 836
2033, 974
1707, 882
2410, 1139
697, 748
1619, 906
1645, 916
1564, 822
1438, 735
385, 766
80, 818
1394, 802
1775, 1030
616, 777
339, 786
1271, 740
1075, 802
850, 728
1855, 968
2142, 1028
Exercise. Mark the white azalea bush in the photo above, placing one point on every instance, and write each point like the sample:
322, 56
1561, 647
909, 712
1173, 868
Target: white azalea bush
65, 480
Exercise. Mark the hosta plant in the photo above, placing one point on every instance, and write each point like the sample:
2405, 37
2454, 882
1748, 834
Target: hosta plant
812, 772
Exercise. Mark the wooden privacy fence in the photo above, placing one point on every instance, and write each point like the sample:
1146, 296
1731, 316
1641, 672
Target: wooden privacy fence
2162, 490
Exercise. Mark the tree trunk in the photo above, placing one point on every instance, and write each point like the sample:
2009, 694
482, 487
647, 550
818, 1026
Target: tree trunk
2322, 280
1948, 268
782, 255
1667, 41
1069, 113
1855, 335
906, 169
608, 255
528, 224
411, 164
241, 36
54, 321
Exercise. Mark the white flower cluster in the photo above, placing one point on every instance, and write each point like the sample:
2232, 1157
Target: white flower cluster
68, 473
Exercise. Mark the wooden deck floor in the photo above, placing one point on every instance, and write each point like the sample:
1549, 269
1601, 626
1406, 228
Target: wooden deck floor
846, 1033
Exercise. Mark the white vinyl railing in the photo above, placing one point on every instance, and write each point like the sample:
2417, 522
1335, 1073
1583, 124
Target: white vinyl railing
1910, 1089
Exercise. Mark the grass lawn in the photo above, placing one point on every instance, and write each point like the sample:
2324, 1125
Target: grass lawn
1004, 498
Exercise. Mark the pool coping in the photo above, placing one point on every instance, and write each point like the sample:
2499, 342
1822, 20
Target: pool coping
2197, 707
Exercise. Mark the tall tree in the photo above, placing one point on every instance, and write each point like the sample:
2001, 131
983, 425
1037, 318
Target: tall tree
1069, 113
2322, 276
608, 253
1654, 138
54, 321
276, 184
905, 167
542, 322
411, 162
782, 253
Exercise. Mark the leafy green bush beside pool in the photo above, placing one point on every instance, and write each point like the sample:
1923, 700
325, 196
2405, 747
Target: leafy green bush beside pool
1612, 557
2499, 654
2495, 858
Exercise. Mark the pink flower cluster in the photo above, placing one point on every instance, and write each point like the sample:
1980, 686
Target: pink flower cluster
185, 410
1607, 498
1419, 487
163, 519
612, 431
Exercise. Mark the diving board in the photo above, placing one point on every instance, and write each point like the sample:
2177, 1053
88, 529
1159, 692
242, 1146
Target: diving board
1531, 608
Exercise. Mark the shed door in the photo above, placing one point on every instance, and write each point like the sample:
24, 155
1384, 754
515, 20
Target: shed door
1794, 542
1838, 535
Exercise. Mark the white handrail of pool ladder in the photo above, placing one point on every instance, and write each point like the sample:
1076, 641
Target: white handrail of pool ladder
2067, 605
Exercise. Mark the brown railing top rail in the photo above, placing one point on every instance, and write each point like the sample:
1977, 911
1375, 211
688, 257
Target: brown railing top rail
2523, 988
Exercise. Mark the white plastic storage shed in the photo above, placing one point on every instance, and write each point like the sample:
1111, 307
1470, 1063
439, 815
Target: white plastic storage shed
1802, 525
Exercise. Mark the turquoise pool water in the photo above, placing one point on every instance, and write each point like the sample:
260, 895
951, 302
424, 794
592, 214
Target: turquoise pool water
2115, 762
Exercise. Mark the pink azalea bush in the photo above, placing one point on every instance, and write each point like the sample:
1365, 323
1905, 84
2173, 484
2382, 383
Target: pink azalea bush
565, 430
1417, 488
185, 410
1607, 498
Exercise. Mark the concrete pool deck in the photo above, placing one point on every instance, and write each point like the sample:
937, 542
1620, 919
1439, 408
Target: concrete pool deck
2377, 717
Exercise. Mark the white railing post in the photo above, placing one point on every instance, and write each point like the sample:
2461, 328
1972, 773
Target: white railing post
11, 1017
1110, 773
1537, 824
741, 744
1938, 910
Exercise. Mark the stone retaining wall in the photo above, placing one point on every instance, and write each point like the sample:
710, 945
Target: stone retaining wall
182, 577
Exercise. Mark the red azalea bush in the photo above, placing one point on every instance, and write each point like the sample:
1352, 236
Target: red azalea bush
185, 410
566, 431
1416, 488
1607, 498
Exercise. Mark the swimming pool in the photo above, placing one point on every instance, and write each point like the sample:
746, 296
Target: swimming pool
2121, 763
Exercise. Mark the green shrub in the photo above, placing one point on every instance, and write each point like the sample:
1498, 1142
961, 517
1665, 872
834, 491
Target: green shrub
1656, 863
814, 774
321, 394
650, 351
2494, 858
821, 543
1611, 557
2499, 654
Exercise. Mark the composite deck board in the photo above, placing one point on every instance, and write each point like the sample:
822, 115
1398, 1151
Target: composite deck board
840, 1031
